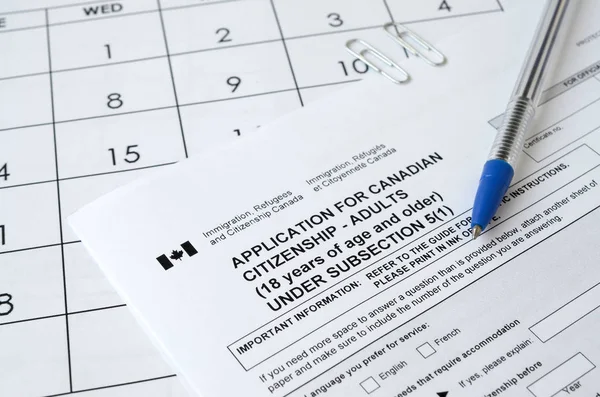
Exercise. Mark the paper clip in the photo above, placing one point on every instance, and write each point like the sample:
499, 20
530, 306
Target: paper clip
372, 50
398, 36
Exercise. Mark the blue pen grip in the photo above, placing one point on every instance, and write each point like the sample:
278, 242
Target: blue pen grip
493, 184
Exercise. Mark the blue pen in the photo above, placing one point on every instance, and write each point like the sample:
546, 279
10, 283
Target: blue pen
499, 169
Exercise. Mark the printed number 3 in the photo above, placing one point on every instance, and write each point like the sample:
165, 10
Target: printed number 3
335, 20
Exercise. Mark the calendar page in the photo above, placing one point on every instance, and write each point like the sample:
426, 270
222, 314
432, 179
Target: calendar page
96, 94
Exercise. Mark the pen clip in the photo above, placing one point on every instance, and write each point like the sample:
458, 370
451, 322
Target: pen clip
369, 49
399, 37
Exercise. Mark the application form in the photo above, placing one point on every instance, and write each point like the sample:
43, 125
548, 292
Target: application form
331, 253
96, 94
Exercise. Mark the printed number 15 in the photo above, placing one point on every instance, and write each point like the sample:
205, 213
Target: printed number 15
131, 156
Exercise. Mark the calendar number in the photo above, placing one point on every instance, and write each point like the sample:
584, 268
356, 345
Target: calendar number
335, 20
224, 35
2, 235
108, 52
4, 172
114, 101
131, 156
5, 306
234, 82
358, 66
237, 132
444, 6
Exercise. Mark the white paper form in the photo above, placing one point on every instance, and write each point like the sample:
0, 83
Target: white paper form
340, 261
96, 94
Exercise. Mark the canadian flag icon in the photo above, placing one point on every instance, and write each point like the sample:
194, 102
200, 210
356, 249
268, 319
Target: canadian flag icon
176, 255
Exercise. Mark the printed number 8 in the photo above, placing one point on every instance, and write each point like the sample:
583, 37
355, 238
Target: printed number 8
5, 301
114, 101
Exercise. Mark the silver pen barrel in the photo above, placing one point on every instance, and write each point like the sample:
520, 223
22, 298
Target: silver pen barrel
527, 92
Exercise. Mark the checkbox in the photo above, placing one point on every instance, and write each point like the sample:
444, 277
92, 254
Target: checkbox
426, 350
369, 385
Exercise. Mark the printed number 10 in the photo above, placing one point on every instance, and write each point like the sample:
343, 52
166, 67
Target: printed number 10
357, 65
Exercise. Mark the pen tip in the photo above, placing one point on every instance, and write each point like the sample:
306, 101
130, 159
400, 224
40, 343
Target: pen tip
476, 231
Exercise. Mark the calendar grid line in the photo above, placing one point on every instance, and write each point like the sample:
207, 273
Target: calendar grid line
287, 53
340, 31
225, 47
114, 114
402, 22
28, 184
22, 76
116, 16
69, 5
88, 176
59, 203
308, 87
166, 9
199, 5
180, 105
283, 39
175, 54
37, 247
467, 14
43, 9
271, 92
101, 65
106, 64
101, 18
112, 386
18, 127
25, 320
164, 32
201, 50
21, 29
117, 172
239, 97
96, 309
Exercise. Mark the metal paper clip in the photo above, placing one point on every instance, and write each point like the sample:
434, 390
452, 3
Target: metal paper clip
398, 36
372, 50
